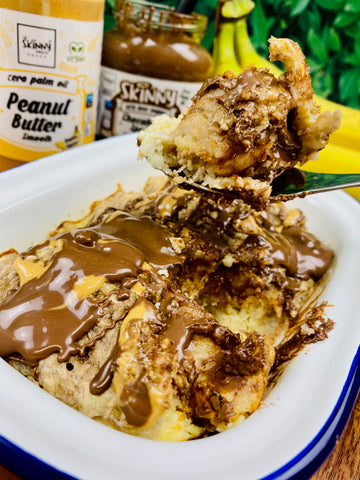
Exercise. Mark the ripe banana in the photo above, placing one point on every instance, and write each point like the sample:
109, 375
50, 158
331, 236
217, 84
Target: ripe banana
227, 13
224, 49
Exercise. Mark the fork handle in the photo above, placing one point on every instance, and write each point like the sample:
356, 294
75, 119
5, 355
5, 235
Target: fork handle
323, 182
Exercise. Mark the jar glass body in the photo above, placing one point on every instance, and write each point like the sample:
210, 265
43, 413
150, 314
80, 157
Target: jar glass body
152, 63
154, 41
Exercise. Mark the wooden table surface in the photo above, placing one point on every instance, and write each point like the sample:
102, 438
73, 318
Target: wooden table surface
342, 464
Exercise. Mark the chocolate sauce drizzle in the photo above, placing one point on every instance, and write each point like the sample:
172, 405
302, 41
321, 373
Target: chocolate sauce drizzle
135, 402
300, 252
47, 315
102, 380
51, 312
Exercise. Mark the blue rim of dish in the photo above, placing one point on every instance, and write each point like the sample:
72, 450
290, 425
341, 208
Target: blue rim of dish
301, 466
316, 452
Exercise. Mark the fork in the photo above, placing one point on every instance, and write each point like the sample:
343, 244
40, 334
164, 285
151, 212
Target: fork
295, 182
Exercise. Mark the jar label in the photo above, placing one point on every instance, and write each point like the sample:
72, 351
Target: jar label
49, 70
128, 102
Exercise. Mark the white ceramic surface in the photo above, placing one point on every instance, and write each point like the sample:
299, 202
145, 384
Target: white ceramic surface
33, 200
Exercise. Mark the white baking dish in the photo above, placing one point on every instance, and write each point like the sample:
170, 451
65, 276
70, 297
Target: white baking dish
298, 422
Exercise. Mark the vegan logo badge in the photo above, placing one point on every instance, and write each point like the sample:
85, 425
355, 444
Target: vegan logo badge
76, 51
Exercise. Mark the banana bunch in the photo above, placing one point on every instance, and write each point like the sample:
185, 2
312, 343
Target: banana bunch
234, 51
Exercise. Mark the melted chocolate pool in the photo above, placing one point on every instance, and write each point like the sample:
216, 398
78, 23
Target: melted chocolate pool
53, 310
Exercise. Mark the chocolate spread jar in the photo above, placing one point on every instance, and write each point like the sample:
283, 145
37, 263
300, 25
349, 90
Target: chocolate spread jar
152, 63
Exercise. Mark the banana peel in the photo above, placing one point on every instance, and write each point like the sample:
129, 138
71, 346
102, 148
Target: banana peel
224, 50
337, 159
235, 51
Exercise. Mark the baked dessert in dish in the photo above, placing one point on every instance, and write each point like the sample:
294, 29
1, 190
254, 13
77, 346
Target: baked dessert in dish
243, 131
163, 313
166, 313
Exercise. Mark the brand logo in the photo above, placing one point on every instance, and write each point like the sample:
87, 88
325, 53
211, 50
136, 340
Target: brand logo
77, 52
36, 45
146, 93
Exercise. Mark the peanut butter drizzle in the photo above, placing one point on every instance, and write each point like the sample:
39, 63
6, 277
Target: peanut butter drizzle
180, 327
47, 314
134, 397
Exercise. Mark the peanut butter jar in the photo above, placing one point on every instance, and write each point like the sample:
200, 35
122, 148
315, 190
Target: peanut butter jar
50, 54
152, 63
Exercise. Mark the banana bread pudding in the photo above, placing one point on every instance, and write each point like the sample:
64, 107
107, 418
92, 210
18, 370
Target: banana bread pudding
243, 131
163, 313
